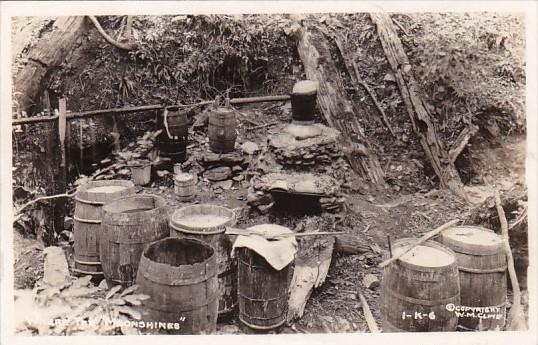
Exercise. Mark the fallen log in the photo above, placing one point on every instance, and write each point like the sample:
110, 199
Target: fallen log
461, 142
46, 54
350, 245
336, 107
422, 121
311, 268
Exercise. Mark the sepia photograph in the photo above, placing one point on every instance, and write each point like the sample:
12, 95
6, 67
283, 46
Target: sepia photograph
287, 172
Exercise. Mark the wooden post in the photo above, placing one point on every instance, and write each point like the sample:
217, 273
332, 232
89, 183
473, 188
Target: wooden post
60, 178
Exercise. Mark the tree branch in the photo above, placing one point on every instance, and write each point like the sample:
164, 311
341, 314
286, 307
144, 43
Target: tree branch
124, 46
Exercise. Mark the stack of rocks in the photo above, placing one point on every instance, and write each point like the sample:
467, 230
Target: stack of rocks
305, 145
260, 194
223, 168
301, 146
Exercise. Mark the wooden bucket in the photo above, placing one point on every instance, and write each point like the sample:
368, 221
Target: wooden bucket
180, 276
303, 101
207, 223
129, 225
89, 202
418, 287
221, 130
263, 292
481, 260
184, 186
141, 173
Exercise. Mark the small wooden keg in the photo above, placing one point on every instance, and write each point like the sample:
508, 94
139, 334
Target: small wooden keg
417, 288
184, 186
481, 262
221, 130
180, 276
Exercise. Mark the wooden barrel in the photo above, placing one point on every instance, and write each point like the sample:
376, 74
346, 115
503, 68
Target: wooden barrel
418, 287
221, 130
208, 224
89, 202
172, 141
262, 291
184, 186
180, 276
174, 125
303, 101
129, 225
481, 260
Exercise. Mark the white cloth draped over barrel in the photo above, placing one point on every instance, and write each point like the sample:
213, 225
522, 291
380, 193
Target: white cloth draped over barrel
278, 253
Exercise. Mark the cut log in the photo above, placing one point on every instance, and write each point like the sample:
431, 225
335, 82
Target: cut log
311, 268
49, 52
336, 107
350, 244
422, 121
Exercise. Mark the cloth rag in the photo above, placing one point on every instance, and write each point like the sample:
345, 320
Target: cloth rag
278, 253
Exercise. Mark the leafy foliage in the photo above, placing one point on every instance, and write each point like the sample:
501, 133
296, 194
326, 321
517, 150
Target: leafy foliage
78, 309
471, 66
181, 59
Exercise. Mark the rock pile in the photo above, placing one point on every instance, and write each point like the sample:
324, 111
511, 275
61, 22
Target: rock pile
324, 187
305, 146
223, 169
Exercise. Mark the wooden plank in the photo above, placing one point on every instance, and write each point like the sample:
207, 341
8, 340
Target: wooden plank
370, 321
310, 272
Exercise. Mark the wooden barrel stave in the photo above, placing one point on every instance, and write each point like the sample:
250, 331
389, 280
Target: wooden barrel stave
125, 235
87, 223
422, 292
262, 291
178, 287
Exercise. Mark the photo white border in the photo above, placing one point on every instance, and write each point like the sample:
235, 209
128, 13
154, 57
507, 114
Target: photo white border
55, 8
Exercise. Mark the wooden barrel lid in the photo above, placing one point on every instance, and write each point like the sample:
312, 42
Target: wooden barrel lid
305, 87
183, 177
202, 219
133, 210
472, 240
99, 192
428, 255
